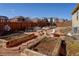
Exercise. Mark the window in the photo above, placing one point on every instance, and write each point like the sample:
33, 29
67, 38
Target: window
75, 29
77, 15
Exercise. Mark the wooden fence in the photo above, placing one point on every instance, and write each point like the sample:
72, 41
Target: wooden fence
63, 24
17, 26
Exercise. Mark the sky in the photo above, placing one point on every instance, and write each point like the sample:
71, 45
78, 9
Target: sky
60, 10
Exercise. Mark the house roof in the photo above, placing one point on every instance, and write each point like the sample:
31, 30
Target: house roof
74, 10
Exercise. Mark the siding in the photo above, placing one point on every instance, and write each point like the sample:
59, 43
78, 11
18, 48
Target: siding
75, 22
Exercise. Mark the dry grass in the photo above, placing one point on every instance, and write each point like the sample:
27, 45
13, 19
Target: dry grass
72, 46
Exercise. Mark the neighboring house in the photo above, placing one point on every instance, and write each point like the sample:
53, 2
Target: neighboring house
75, 19
17, 18
53, 20
35, 20
3, 18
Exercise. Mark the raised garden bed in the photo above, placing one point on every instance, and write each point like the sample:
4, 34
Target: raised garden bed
14, 35
17, 41
46, 46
